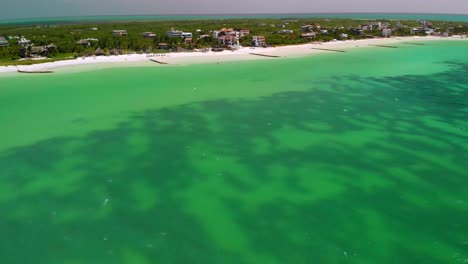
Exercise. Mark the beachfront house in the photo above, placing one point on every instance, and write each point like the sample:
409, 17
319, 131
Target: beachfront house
307, 28
376, 25
365, 27
119, 33
174, 33
386, 32
244, 32
116, 52
83, 42
99, 52
23, 42
188, 41
310, 35
357, 31
149, 35
225, 32
259, 41
4, 42
86, 42
286, 31
424, 30
186, 35
226, 36
38, 51
163, 46
227, 40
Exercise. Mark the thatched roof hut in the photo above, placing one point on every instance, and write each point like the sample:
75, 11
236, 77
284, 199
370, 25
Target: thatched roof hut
99, 52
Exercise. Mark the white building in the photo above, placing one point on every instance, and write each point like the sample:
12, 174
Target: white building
386, 32
286, 31
119, 32
186, 35
174, 33
258, 41
23, 42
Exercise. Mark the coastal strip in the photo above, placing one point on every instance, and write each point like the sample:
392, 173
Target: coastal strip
334, 50
384, 46
183, 58
264, 55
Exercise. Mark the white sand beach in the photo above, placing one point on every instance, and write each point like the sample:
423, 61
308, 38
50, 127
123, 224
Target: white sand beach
188, 58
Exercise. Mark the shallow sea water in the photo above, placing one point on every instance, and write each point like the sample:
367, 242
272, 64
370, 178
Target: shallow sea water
357, 157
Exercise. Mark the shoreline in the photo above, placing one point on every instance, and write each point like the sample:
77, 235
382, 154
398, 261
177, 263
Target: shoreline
190, 58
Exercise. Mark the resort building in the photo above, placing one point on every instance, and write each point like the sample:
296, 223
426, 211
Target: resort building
310, 35
259, 41
4, 42
119, 33
149, 35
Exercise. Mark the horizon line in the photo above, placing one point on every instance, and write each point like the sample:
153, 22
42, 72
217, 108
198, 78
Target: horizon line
235, 14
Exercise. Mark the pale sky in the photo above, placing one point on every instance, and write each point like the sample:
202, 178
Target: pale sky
10, 9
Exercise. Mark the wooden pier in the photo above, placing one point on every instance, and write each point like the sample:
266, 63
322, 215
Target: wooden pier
159, 62
384, 46
264, 55
20, 71
334, 50
409, 43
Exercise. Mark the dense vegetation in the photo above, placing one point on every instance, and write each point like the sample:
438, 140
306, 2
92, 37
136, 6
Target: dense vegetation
66, 36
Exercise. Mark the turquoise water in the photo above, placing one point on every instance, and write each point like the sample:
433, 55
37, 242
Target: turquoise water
390, 16
356, 157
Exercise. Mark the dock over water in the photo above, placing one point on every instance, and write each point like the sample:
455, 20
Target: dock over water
384, 46
21, 71
334, 50
264, 55
412, 43
159, 62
